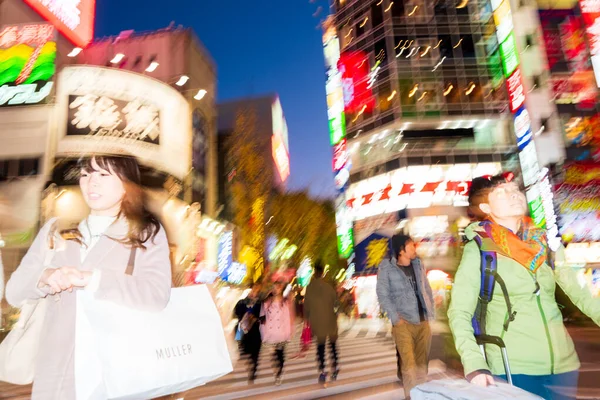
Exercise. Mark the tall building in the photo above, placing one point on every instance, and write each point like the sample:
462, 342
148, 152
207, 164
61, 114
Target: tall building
422, 97
175, 56
270, 124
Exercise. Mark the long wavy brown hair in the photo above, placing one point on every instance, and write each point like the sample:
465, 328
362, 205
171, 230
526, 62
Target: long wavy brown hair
143, 226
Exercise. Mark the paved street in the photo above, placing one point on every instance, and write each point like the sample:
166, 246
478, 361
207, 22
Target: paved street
368, 369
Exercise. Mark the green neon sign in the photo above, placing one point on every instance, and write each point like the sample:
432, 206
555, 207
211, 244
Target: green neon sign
509, 54
536, 209
337, 128
346, 243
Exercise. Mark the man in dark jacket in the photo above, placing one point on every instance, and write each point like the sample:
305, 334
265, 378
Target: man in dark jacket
319, 310
405, 296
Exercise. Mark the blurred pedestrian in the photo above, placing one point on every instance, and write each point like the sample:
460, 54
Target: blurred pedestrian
406, 297
523, 309
319, 308
277, 328
95, 257
247, 311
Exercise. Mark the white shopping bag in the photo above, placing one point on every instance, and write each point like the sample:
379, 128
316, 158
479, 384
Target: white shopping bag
455, 389
121, 353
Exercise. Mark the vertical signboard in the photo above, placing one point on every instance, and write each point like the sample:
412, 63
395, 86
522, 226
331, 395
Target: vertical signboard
73, 18
27, 63
337, 137
536, 181
590, 11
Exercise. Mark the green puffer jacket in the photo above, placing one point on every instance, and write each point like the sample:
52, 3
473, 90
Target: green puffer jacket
536, 341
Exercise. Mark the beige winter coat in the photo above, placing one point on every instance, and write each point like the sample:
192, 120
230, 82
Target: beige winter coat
147, 289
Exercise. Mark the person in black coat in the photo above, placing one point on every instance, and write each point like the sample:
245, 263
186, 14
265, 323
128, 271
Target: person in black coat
247, 311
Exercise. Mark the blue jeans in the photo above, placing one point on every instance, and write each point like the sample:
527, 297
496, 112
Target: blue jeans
549, 387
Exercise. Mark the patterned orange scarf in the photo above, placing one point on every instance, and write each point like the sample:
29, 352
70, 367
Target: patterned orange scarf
527, 246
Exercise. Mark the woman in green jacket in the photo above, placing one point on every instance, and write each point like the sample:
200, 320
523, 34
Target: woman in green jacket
540, 351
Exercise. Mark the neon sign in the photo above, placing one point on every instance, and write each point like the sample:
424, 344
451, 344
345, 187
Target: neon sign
354, 67
73, 18
516, 91
522, 128
345, 233
340, 155
337, 77
510, 56
415, 187
590, 11
333, 87
27, 63
225, 253
281, 158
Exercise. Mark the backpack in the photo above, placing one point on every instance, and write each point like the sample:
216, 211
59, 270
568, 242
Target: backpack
489, 278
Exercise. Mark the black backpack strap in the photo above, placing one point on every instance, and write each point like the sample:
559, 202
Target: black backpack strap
489, 277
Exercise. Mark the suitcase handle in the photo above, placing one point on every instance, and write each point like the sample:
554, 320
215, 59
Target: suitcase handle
482, 340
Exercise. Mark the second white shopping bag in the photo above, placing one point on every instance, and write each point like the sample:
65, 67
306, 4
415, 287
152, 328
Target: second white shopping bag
121, 353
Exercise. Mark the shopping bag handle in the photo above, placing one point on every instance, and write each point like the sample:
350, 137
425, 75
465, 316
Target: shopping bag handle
131, 262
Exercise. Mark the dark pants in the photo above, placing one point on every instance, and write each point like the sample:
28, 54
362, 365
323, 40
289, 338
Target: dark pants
399, 364
321, 352
254, 357
549, 387
279, 358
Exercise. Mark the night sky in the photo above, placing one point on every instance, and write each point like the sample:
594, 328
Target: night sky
259, 46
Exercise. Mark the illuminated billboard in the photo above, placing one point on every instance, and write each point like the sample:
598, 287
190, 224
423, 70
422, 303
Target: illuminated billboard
72, 18
537, 182
280, 127
590, 11
415, 187
358, 96
27, 63
578, 197
105, 110
281, 157
564, 39
333, 85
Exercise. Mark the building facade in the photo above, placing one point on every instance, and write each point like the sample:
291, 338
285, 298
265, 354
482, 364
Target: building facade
270, 125
422, 97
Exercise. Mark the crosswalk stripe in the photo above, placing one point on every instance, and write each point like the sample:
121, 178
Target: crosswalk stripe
364, 351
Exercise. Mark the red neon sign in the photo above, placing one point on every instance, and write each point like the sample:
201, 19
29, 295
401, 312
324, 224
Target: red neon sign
33, 35
516, 91
74, 19
590, 10
460, 188
340, 155
354, 67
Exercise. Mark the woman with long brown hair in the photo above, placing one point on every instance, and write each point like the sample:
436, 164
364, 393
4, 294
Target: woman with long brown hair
95, 257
